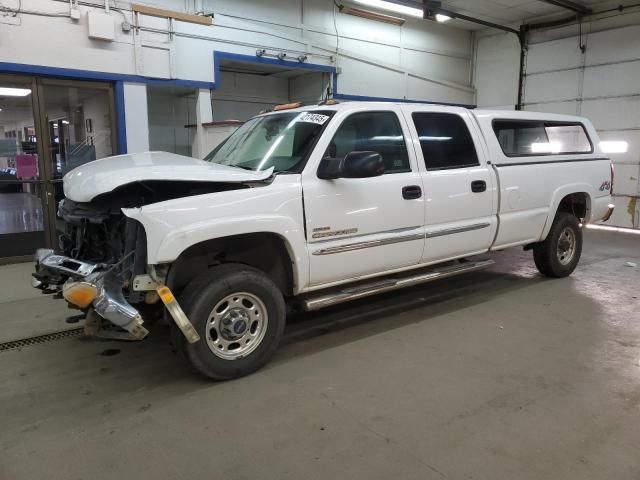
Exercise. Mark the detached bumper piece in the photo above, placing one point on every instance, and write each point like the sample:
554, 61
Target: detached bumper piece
111, 305
85, 285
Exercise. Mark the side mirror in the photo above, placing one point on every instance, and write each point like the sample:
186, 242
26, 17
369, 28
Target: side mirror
354, 165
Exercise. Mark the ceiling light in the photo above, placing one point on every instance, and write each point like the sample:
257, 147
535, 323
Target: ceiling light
14, 92
391, 7
440, 17
614, 146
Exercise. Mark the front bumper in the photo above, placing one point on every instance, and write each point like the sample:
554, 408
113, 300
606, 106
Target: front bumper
53, 271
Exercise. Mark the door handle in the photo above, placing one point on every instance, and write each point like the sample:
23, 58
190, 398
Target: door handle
411, 192
478, 186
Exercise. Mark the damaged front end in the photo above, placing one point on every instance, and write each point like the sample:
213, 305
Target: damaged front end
88, 286
100, 268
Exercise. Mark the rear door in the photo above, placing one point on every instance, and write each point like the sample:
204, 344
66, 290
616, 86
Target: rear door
458, 184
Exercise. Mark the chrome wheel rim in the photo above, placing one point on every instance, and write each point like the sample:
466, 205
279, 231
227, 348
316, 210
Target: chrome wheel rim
566, 246
236, 325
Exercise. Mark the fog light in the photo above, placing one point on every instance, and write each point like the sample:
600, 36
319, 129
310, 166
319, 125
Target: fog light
80, 294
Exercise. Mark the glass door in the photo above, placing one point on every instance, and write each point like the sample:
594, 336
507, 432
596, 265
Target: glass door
22, 192
78, 127
47, 128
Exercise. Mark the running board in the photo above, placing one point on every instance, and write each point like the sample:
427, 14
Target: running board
375, 286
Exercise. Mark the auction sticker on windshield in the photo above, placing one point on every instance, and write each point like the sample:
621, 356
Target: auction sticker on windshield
314, 118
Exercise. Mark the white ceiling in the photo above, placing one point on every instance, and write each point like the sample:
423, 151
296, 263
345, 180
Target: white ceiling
509, 11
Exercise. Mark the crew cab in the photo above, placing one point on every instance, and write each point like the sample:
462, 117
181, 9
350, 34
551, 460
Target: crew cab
307, 207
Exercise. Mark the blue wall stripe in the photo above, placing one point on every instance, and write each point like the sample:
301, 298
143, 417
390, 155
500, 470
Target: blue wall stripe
218, 56
98, 76
121, 125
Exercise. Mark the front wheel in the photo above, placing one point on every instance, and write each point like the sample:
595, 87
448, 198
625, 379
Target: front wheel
558, 255
239, 314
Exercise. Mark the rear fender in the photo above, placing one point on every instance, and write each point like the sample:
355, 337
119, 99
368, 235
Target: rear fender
557, 197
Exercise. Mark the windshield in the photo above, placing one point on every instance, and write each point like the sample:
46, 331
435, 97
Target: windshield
282, 141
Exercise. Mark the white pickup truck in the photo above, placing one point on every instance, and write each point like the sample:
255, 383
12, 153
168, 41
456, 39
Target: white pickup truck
312, 206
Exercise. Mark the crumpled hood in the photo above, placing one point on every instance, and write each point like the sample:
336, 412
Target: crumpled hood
87, 181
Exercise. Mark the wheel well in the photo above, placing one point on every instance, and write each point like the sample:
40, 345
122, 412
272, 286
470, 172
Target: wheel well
264, 251
578, 204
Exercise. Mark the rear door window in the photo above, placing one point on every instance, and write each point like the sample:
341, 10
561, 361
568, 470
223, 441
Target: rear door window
445, 140
520, 138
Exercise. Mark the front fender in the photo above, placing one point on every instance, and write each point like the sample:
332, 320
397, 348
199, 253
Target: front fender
173, 226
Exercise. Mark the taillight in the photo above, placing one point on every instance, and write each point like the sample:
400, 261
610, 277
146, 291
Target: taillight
613, 176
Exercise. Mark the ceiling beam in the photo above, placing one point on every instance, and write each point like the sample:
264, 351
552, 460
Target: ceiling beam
569, 5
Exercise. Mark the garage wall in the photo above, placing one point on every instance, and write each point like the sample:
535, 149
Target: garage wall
600, 84
420, 60
496, 70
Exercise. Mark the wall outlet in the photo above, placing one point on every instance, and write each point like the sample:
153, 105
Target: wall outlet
102, 26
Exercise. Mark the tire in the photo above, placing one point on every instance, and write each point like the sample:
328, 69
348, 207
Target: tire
558, 255
229, 347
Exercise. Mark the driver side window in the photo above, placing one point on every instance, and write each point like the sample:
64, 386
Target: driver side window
376, 132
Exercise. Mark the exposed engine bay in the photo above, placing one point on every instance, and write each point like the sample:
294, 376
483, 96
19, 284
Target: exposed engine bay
101, 261
99, 232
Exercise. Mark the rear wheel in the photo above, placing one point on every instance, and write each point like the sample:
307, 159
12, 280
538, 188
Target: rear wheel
239, 314
558, 255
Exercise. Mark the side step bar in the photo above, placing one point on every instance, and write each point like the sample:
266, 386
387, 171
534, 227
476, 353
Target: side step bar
345, 294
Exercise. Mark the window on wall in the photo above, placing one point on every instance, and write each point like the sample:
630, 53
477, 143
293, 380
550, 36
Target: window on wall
172, 119
523, 138
376, 132
445, 140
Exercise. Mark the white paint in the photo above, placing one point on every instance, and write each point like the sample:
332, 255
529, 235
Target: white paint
136, 119
88, 181
519, 208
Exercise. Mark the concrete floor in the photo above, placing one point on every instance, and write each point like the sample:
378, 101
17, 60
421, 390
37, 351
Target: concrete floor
500, 374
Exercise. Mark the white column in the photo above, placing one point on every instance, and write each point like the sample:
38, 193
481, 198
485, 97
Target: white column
199, 147
136, 117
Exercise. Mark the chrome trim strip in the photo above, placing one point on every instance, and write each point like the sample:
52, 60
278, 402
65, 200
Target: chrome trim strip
541, 162
360, 235
368, 244
349, 247
451, 231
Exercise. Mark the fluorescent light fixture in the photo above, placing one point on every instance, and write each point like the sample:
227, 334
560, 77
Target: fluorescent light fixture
546, 147
442, 18
14, 92
391, 7
614, 146
371, 15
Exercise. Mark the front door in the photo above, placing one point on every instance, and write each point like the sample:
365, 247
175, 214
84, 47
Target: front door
458, 183
359, 227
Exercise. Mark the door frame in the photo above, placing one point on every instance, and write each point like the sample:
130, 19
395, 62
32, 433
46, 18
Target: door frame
45, 182
49, 181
